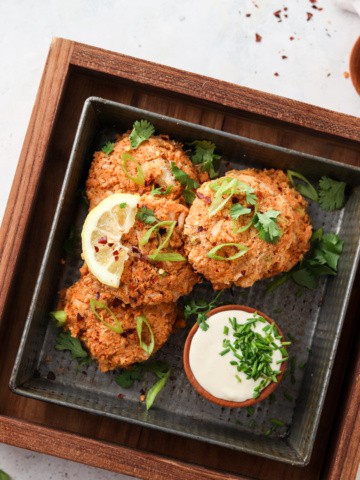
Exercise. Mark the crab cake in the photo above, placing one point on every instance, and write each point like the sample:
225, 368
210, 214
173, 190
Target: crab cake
111, 349
227, 211
156, 270
152, 159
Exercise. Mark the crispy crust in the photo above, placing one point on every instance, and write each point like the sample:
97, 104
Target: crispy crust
112, 350
262, 260
106, 175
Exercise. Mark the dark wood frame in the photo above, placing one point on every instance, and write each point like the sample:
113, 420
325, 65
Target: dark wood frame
134, 450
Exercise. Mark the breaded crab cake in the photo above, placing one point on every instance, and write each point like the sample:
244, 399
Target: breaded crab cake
111, 173
246, 226
108, 347
157, 270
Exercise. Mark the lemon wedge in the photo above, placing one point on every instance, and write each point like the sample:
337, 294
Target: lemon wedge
101, 235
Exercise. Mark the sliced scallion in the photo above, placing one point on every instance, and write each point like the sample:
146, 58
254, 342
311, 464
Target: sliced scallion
139, 178
60, 317
148, 348
241, 251
155, 389
95, 304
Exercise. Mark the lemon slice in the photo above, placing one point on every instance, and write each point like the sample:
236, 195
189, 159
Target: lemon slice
101, 236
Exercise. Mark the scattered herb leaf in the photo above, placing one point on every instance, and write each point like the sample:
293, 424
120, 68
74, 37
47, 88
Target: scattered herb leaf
139, 179
65, 341
306, 189
161, 191
142, 130
156, 389
331, 194
267, 226
4, 475
148, 348
95, 304
205, 157
108, 148
146, 215
237, 210
200, 308
59, 316
186, 181
242, 249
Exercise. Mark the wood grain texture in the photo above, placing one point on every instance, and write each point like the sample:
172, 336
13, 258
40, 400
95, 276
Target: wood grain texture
71, 75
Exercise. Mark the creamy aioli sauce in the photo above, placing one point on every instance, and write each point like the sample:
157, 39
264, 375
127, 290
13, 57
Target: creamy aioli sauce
213, 371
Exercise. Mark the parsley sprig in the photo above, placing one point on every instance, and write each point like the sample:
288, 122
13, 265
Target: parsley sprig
206, 157
161, 369
108, 148
267, 226
161, 190
200, 309
331, 193
322, 260
142, 130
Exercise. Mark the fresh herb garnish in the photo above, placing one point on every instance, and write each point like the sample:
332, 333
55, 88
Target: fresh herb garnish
200, 309
161, 191
229, 187
276, 423
59, 316
146, 215
65, 341
4, 475
322, 260
156, 256
267, 226
70, 242
160, 369
94, 305
108, 148
252, 351
123, 205
142, 130
186, 181
205, 157
139, 179
242, 249
148, 348
331, 194
238, 210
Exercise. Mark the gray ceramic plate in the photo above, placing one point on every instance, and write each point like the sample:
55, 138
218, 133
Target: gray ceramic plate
312, 318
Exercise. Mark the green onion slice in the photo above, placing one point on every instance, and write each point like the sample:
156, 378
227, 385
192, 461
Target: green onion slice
139, 179
167, 257
155, 389
60, 317
157, 256
95, 304
227, 186
242, 250
139, 325
307, 190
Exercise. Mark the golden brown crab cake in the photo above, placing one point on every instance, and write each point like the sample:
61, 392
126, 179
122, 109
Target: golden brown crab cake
154, 156
151, 276
262, 258
109, 348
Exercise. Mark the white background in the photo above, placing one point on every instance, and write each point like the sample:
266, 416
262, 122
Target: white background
210, 37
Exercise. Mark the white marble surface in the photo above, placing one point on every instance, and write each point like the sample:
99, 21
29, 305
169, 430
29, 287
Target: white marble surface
209, 37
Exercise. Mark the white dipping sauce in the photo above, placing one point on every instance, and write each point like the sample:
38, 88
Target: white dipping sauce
213, 371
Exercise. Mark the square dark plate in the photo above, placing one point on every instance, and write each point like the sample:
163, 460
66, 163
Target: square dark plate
313, 318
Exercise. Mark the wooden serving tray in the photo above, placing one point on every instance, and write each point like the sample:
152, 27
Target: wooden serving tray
73, 73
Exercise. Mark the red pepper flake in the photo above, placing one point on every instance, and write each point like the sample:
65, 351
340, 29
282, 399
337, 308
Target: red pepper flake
346, 74
276, 74
277, 14
115, 252
96, 249
285, 9
120, 396
292, 38
110, 244
284, 57
258, 37
313, 1
248, 15
116, 259
103, 240
309, 16
79, 317
328, 75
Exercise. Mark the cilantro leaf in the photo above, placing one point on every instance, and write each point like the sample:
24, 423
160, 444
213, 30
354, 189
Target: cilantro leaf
186, 181
267, 226
146, 215
200, 308
59, 316
237, 210
142, 130
161, 191
108, 148
65, 341
331, 194
322, 260
205, 157
128, 377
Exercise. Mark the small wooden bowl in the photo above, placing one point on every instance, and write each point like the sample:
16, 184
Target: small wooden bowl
354, 65
219, 401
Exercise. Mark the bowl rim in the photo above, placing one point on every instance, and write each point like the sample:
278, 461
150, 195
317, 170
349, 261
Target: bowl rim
268, 390
354, 74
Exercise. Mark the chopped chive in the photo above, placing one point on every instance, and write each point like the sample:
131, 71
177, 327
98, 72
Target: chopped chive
277, 422
226, 330
224, 352
250, 410
238, 378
